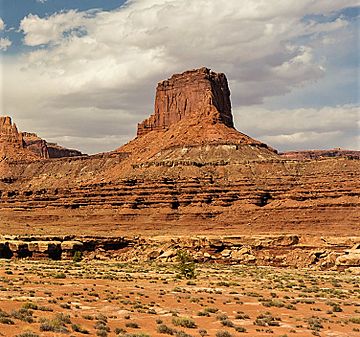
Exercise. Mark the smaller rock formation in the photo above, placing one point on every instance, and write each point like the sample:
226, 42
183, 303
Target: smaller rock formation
15, 145
196, 93
35, 144
47, 150
9, 133
58, 151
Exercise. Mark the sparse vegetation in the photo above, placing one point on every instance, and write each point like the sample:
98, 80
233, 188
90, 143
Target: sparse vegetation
138, 291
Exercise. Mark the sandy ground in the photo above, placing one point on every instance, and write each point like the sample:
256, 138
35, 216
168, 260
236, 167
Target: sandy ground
105, 298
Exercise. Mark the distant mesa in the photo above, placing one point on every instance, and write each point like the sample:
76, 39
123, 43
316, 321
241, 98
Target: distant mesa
318, 154
15, 145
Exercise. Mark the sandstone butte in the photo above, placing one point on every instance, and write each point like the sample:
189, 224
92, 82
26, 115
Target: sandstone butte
188, 172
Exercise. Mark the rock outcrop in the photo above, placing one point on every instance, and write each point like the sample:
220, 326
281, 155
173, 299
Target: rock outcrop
262, 250
9, 133
45, 149
198, 93
12, 145
16, 145
35, 144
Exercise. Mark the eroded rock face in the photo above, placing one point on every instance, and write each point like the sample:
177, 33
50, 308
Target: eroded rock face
262, 250
197, 93
33, 146
9, 133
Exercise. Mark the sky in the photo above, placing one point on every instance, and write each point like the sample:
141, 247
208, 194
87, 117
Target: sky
83, 73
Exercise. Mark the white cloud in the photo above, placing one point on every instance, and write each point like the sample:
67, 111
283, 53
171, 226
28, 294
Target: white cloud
108, 63
52, 29
5, 43
2, 24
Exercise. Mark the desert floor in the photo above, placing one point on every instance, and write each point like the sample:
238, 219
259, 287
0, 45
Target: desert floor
106, 298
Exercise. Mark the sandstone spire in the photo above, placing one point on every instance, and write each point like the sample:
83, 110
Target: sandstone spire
198, 93
9, 133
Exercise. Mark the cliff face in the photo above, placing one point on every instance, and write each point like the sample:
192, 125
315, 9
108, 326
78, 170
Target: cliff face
197, 93
9, 133
35, 144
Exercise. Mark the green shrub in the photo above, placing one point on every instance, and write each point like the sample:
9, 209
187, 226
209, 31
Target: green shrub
78, 256
186, 265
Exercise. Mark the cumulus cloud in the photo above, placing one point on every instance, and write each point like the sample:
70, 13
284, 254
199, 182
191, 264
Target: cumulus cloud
52, 29
5, 43
89, 68
304, 128
2, 24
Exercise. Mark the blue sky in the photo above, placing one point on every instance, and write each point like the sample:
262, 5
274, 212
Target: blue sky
83, 72
13, 11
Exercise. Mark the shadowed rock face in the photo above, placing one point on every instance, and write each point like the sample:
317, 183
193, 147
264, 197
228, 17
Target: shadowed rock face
47, 150
198, 93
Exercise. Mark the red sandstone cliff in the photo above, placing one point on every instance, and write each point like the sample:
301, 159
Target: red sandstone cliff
191, 109
15, 145
201, 93
9, 133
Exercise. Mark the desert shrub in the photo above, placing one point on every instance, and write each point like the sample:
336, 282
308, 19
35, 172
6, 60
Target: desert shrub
355, 320
78, 256
314, 323
58, 324
6, 320
59, 275
211, 310
267, 320
228, 323
162, 328
242, 316
119, 331
223, 333
30, 305
184, 322
23, 314
186, 265
132, 325
78, 328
